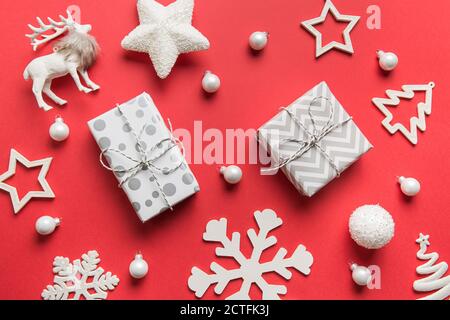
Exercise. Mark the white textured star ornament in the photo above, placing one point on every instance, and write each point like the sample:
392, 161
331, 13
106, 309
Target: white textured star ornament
164, 33
320, 48
46, 191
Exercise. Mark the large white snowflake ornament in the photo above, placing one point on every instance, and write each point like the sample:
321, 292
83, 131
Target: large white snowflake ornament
251, 270
82, 278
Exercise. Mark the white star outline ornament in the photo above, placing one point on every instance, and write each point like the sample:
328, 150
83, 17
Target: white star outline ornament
345, 47
165, 33
423, 109
46, 191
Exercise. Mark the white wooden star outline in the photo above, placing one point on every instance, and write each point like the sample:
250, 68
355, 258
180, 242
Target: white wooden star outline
423, 109
352, 21
164, 33
46, 191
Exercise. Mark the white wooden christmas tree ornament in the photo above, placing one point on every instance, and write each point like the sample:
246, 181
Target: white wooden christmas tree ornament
73, 54
347, 46
81, 278
416, 122
434, 280
251, 270
46, 192
164, 33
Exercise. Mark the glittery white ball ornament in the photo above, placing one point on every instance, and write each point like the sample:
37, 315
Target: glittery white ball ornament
45, 225
387, 60
371, 226
231, 174
360, 275
59, 131
258, 40
210, 82
138, 267
409, 186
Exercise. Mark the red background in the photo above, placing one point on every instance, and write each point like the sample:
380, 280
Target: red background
97, 215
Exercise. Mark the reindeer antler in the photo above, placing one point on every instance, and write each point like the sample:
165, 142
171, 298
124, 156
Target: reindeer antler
59, 27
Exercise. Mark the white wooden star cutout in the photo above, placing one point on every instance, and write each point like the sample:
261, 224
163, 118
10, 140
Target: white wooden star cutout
352, 21
46, 191
164, 33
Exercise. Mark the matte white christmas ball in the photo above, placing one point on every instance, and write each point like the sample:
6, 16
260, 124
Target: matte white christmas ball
210, 82
45, 225
231, 174
59, 131
387, 60
409, 186
258, 40
138, 267
360, 275
371, 226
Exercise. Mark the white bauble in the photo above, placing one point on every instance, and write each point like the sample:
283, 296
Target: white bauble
45, 225
258, 40
387, 60
59, 131
409, 186
360, 275
138, 267
371, 226
231, 174
210, 82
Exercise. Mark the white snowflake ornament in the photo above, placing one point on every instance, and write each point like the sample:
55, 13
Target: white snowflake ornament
164, 33
251, 270
82, 278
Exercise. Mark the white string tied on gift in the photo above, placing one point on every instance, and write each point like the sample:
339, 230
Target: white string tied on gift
145, 162
313, 138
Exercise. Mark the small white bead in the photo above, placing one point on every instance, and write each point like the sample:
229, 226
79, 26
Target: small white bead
138, 267
409, 186
258, 40
387, 60
231, 174
210, 82
45, 225
360, 275
59, 131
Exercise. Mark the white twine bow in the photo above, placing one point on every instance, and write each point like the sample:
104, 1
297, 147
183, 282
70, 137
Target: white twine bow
145, 162
313, 140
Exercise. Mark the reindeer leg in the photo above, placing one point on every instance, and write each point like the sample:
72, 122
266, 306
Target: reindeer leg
38, 86
88, 80
74, 73
51, 94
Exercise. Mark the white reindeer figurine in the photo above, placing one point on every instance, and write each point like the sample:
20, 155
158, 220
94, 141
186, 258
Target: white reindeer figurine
74, 53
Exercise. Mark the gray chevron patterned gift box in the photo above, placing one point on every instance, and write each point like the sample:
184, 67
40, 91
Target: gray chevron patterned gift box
313, 140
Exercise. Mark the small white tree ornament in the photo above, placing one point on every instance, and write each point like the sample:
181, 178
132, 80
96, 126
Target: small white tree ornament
73, 54
251, 270
82, 278
435, 271
416, 122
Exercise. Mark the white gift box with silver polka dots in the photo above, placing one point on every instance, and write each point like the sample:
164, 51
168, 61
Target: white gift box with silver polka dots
111, 131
